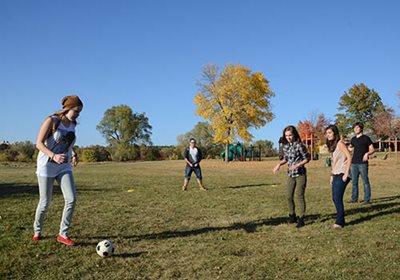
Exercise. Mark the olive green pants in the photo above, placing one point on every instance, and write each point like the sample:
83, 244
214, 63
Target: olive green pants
297, 184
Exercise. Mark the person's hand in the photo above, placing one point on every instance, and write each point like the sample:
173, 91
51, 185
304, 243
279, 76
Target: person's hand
345, 176
276, 169
366, 157
293, 167
331, 179
74, 160
59, 158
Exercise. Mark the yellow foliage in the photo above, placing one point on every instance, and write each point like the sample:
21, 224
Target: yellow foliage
234, 100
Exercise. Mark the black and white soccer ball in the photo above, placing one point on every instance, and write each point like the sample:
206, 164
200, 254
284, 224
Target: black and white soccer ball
105, 248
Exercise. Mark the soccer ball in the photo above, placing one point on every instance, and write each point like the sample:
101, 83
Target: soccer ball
105, 248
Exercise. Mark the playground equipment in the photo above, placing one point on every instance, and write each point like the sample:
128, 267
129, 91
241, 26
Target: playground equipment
240, 152
310, 141
391, 145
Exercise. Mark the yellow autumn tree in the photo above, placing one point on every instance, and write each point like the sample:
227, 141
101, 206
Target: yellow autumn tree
234, 101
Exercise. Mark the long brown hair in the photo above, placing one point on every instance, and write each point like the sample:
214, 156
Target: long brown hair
293, 130
336, 138
60, 115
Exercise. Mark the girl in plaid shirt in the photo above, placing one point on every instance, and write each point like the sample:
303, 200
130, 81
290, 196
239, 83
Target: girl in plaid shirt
295, 154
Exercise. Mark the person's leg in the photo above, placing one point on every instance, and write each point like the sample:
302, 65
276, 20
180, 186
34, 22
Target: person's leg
67, 184
291, 186
45, 194
367, 186
338, 189
197, 171
188, 174
301, 183
355, 173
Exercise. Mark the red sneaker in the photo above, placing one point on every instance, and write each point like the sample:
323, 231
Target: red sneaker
65, 240
36, 237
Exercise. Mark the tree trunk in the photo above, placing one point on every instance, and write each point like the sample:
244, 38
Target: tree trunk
227, 152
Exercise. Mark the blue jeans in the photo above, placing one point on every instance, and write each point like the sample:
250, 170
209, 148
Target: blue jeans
196, 170
66, 182
358, 169
338, 188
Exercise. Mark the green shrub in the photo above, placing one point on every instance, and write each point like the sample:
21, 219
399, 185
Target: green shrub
25, 150
170, 153
149, 153
88, 155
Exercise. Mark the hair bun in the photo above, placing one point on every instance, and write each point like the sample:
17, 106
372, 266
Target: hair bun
71, 101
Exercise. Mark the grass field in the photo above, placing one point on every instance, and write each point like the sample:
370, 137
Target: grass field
235, 230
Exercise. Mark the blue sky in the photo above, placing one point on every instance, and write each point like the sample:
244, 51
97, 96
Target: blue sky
150, 54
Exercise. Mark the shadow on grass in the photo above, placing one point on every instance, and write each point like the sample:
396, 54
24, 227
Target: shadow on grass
129, 255
249, 227
18, 189
382, 209
7, 190
389, 198
372, 216
253, 185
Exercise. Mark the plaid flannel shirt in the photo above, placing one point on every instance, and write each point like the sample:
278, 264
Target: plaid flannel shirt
295, 153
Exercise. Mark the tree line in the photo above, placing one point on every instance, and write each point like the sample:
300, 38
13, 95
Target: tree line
231, 101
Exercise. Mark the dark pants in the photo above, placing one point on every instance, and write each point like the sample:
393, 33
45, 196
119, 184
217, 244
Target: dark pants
299, 184
338, 188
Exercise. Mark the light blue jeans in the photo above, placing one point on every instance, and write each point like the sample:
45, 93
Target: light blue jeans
358, 169
66, 182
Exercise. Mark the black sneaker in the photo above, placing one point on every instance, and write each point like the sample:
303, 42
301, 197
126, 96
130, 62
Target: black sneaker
300, 222
292, 219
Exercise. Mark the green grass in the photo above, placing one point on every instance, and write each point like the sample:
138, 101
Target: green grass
235, 230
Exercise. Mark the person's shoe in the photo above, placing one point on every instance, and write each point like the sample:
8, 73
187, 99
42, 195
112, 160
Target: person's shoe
292, 218
336, 226
184, 188
36, 237
65, 240
203, 188
366, 202
300, 222
352, 201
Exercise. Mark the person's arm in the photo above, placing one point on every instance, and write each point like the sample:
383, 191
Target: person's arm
350, 148
331, 177
278, 166
298, 165
186, 157
306, 158
41, 138
199, 156
75, 159
371, 150
188, 162
346, 152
